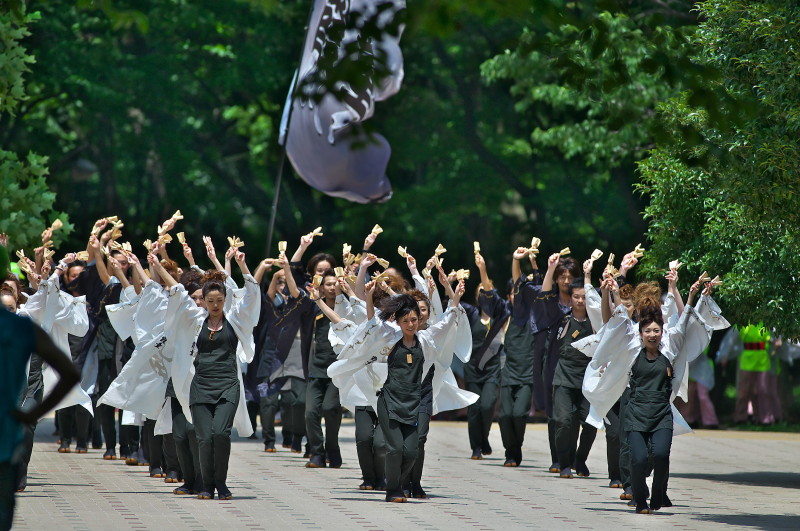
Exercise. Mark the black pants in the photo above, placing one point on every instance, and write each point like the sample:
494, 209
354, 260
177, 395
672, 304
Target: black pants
186, 447
570, 408
613, 431
74, 422
660, 443
8, 483
129, 437
293, 413
370, 445
515, 403
423, 427
624, 448
402, 442
154, 444
29, 430
541, 397
480, 414
322, 401
213, 424
268, 407
170, 452
104, 414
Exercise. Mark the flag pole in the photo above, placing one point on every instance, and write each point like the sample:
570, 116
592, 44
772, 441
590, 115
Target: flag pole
284, 130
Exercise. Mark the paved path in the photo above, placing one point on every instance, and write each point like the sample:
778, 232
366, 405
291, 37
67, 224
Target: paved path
719, 480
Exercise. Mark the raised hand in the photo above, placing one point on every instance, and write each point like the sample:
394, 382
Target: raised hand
369, 240
368, 260
520, 253
47, 235
69, 258
552, 261
479, 261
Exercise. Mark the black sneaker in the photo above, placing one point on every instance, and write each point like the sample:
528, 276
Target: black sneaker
582, 470
316, 461
418, 492
335, 457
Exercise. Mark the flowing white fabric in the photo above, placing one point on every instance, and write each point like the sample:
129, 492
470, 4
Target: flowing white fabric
614, 349
142, 383
373, 341
183, 323
59, 314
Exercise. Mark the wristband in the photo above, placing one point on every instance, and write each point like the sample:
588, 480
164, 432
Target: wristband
61, 265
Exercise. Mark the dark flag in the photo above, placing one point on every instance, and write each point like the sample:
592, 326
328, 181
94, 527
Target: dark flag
323, 142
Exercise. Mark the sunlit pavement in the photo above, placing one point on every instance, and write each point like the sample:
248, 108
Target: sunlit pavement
718, 480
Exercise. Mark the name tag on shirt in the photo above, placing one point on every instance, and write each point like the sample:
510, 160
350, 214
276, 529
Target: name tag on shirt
576, 333
409, 359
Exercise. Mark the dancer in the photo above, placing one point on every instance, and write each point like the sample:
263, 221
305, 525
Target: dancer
408, 353
216, 389
517, 373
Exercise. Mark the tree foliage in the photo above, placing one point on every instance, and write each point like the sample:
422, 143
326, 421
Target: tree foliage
729, 203
26, 202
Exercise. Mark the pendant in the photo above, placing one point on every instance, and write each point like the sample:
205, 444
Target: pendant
211, 335
409, 359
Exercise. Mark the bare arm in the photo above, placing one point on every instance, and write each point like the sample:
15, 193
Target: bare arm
157, 268
212, 253
672, 281
305, 243
516, 270
294, 291
367, 261
327, 310
486, 282
552, 262
263, 266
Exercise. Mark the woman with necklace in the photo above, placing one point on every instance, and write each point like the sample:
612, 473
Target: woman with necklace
216, 337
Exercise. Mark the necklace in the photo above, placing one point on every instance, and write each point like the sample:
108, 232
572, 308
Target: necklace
214, 328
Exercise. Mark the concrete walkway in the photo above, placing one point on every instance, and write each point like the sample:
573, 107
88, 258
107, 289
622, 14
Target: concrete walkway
719, 480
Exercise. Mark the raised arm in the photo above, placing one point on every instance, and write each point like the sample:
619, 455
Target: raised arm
187, 253
370, 290
552, 263
212, 253
363, 269
155, 265
519, 254
305, 243
116, 270
263, 266
327, 310
672, 283
486, 282
291, 283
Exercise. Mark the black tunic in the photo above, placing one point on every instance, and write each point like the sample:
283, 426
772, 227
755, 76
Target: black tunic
571, 361
402, 391
216, 367
648, 408
323, 355
519, 355
491, 371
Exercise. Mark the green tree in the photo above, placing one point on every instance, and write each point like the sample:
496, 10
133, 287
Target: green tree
726, 199
26, 203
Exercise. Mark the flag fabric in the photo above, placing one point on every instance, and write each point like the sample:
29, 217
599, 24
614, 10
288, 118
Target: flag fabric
322, 141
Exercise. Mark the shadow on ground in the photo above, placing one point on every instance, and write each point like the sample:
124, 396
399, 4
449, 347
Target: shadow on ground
762, 479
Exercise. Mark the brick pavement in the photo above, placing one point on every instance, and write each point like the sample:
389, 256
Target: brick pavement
719, 480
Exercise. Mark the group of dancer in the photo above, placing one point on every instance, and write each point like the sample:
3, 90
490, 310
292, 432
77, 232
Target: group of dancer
182, 355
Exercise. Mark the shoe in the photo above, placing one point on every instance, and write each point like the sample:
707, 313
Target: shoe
142, 460
380, 485
316, 461
224, 493
97, 446
615, 484
110, 455
64, 448
80, 450
367, 485
644, 510
666, 502
286, 445
582, 470
335, 459
631, 503
206, 494
566, 473
418, 492
131, 460
270, 448
510, 463
396, 499
476, 454
156, 472
627, 494
487, 450
172, 477
555, 468
23, 483
123, 452
184, 490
